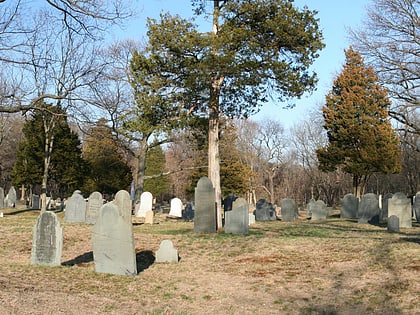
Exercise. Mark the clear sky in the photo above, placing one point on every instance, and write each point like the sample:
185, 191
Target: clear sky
335, 18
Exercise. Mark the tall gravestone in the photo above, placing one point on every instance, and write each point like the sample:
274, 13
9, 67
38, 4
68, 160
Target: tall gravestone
318, 210
237, 219
368, 208
416, 206
188, 212
205, 207
113, 242
146, 204
95, 202
176, 208
384, 206
289, 211
348, 207
123, 202
265, 211
11, 198
47, 241
75, 208
36, 204
1, 198
400, 206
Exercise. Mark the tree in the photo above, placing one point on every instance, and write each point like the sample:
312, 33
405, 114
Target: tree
389, 42
256, 50
155, 161
360, 135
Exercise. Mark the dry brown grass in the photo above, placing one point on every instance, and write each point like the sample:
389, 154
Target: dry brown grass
327, 267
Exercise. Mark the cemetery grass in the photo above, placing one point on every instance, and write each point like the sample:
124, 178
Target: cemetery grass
333, 266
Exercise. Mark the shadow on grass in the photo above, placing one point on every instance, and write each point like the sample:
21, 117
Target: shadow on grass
81, 259
20, 211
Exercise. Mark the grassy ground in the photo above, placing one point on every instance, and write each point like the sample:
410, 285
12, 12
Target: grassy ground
334, 266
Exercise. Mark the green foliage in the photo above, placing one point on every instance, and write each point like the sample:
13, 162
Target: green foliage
360, 136
155, 162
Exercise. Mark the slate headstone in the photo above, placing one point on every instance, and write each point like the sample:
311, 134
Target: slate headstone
237, 219
47, 241
265, 211
289, 211
11, 198
123, 202
318, 210
176, 208
113, 242
393, 224
95, 202
146, 204
75, 208
188, 212
35, 202
384, 208
416, 206
167, 252
348, 207
368, 208
205, 207
400, 206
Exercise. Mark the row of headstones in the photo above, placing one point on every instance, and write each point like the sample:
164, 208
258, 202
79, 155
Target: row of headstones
112, 239
8, 201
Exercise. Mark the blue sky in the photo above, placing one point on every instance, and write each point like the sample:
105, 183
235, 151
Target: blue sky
335, 18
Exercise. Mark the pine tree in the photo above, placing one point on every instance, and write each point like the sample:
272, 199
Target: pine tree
155, 161
360, 135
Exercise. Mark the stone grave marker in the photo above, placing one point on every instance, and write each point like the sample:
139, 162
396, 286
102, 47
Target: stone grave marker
400, 206
251, 218
188, 212
113, 242
265, 211
36, 204
205, 207
237, 219
123, 202
318, 210
384, 208
289, 211
47, 241
348, 207
10, 199
2, 205
393, 224
416, 206
368, 208
75, 208
167, 252
176, 208
149, 217
95, 202
146, 204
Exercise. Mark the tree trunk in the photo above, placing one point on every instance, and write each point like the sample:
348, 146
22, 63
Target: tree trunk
49, 141
141, 168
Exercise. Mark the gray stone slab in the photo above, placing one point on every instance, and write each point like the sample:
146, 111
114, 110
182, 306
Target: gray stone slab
237, 219
113, 242
47, 241
123, 202
289, 211
393, 224
2, 205
368, 208
400, 206
348, 207
265, 211
95, 202
167, 252
75, 208
416, 206
318, 210
205, 207
188, 212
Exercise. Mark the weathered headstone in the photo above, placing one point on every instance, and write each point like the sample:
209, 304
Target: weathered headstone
348, 207
188, 212
95, 202
368, 208
11, 198
1, 198
176, 208
47, 242
393, 224
237, 219
113, 242
318, 210
384, 208
148, 219
123, 202
289, 211
251, 219
35, 202
205, 207
416, 206
400, 206
265, 211
167, 252
75, 208
146, 204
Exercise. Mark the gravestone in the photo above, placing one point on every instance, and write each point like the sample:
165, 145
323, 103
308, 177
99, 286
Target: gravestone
47, 241
384, 208
35, 202
148, 219
113, 242
393, 224
318, 210
265, 211
188, 212
176, 208
348, 207
289, 211
205, 207
416, 206
75, 208
166, 252
95, 202
251, 218
146, 204
237, 219
1, 198
400, 206
368, 208
11, 198
123, 202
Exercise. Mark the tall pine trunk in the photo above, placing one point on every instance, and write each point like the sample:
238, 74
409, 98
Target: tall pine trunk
141, 168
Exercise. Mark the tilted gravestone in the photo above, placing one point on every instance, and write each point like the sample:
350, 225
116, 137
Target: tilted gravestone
47, 242
205, 207
237, 219
318, 210
167, 252
400, 206
75, 208
368, 208
416, 206
265, 211
348, 207
95, 202
123, 202
146, 204
176, 208
289, 211
188, 212
113, 242
393, 224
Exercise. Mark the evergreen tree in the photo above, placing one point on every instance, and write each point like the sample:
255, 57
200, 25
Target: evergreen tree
360, 135
155, 161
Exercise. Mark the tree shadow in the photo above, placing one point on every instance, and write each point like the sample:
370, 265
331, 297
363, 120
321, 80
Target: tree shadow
81, 259
144, 260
